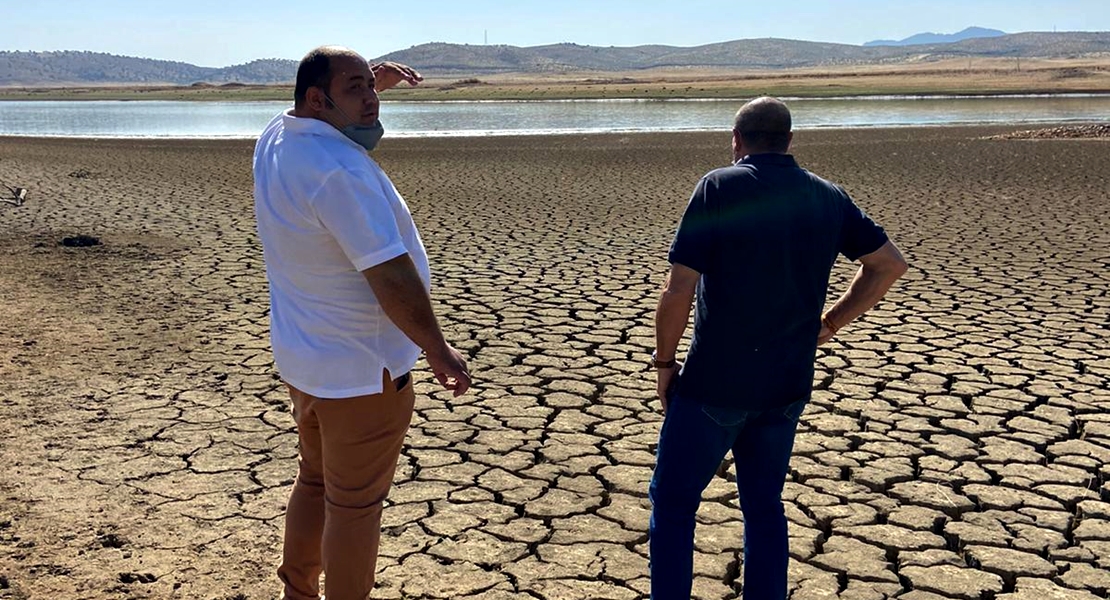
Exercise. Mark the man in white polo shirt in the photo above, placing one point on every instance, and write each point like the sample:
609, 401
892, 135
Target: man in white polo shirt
350, 314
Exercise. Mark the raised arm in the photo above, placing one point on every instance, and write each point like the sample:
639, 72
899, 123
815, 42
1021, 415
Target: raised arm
390, 74
878, 271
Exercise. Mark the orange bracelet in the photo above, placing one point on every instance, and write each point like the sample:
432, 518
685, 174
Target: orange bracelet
827, 323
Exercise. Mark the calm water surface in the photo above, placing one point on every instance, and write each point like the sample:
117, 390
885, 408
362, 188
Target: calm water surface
163, 119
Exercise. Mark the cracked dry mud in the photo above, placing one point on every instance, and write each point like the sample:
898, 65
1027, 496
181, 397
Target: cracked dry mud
957, 445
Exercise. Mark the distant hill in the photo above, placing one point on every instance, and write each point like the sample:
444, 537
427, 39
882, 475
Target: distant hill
940, 38
69, 67
91, 68
767, 53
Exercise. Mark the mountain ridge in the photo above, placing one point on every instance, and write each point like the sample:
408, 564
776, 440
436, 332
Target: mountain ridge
764, 53
76, 66
939, 38
436, 58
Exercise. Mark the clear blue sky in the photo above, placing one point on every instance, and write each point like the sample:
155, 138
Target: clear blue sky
225, 32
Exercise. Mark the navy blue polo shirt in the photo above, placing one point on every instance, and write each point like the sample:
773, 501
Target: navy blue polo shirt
764, 234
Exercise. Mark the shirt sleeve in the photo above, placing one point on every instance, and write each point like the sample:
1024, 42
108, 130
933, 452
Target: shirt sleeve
860, 235
360, 218
693, 243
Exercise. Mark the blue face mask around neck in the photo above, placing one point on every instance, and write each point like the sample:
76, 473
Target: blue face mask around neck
366, 136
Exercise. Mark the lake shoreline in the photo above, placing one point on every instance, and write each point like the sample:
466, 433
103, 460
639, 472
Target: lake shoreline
951, 77
560, 134
183, 94
12, 97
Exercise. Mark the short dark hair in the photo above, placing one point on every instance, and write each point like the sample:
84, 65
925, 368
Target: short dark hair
772, 141
764, 123
315, 70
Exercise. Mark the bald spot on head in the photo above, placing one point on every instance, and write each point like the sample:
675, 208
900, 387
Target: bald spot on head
317, 69
764, 125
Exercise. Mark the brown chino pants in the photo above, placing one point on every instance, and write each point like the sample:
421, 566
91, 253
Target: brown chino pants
348, 455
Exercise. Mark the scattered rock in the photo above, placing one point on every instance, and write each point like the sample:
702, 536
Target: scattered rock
137, 578
111, 540
80, 241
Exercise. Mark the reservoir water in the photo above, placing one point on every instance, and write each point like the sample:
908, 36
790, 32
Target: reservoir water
170, 119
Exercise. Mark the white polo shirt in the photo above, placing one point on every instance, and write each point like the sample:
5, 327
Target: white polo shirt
326, 211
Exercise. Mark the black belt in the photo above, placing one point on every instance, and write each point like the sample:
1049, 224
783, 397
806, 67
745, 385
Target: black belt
402, 381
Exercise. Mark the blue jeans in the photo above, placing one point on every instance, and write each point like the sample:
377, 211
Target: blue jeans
692, 444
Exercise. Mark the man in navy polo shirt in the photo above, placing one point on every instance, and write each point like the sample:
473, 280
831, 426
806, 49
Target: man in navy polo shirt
756, 244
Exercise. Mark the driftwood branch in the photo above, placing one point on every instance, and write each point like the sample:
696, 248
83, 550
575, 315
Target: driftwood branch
18, 196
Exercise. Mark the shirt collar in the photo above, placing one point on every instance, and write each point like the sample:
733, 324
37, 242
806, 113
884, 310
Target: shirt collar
771, 159
309, 126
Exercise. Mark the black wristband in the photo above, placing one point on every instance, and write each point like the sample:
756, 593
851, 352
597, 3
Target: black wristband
663, 364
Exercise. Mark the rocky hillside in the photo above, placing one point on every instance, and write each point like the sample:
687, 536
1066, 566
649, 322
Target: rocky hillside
91, 68
51, 68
